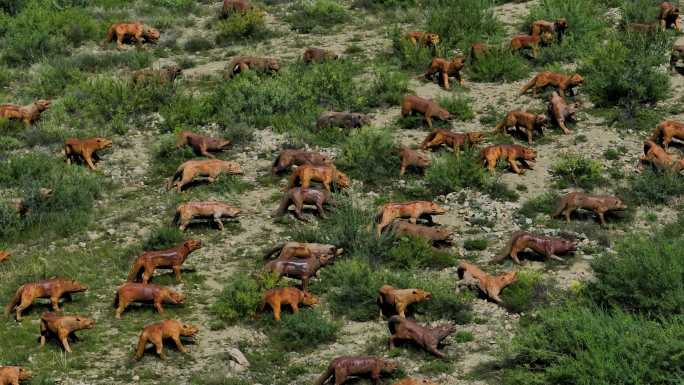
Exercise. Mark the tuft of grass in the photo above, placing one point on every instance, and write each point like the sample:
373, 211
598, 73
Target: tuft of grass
498, 64
459, 23
653, 187
541, 204
304, 330
163, 237
528, 292
459, 106
308, 16
240, 26
198, 43
369, 154
575, 170
463, 337
475, 244
240, 298
388, 87
413, 252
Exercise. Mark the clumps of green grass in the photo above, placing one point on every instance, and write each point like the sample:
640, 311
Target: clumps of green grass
475, 244
639, 11
653, 187
459, 106
464, 336
496, 65
198, 43
413, 252
304, 330
459, 23
369, 154
410, 56
529, 291
239, 26
163, 237
240, 299
318, 16
388, 87
541, 204
68, 210
576, 170
383, 4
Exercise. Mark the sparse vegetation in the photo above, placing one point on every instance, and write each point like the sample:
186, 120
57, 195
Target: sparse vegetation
575, 170
316, 15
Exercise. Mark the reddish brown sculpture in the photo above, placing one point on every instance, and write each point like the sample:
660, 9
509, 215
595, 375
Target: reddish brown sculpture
342, 368
157, 332
326, 174
209, 169
557, 27
201, 144
548, 78
186, 212
318, 55
4, 256
666, 131
163, 76
396, 301
347, 120
425, 39
171, 258
77, 150
302, 269
489, 285
658, 157
600, 204
431, 233
301, 250
455, 140
668, 16
292, 296
131, 292
560, 111
415, 381
288, 158
675, 56
245, 63
445, 69
300, 196
234, 6
426, 107
403, 329
518, 119
62, 327
53, 288
531, 42
411, 158
412, 210
11, 375
547, 246
28, 114
511, 152
138, 32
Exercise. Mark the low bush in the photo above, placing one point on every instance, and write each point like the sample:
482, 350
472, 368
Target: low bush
163, 237
459, 106
463, 337
241, 297
449, 173
316, 15
574, 170
460, 23
387, 88
639, 11
198, 43
541, 204
412, 253
384, 4
496, 65
410, 56
475, 244
369, 154
653, 187
304, 330
529, 291
238, 26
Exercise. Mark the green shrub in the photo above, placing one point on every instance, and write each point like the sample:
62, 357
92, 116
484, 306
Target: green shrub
410, 56
241, 297
463, 337
460, 23
387, 88
198, 43
541, 204
449, 173
574, 170
383, 4
458, 106
304, 330
496, 65
369, 154
639, 11
529, 291
316, 15
238, 26
573, 344
413, 252
475, 244
163, 237
653, 187
50, 80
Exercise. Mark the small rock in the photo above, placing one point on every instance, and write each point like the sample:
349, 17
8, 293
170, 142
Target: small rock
136, 378
238, 357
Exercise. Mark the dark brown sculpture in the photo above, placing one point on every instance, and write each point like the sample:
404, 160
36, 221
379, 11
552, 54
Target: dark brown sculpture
395, 301
347, 120
288, 158
157, 332
489, 285
675, 56
85, 149
411, 158
302, 269
445, 69
412, 210
4, 255
53, 288
426, 107
326, 174
201, 145
547, 246
301, 250
62, 327
11, 375
512, 153
131, 292
208, 169
186, 212
560, 111
300, 196
431, 233
317, 55
291, 296
558, 27
668, 16
27, 114
171, 258
548, 78
342, 368
403, 329
523, 119
600, 204
455, 140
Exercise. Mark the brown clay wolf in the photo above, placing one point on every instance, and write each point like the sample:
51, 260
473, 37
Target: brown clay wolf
560, 111
425, 39
547, 246
668, 16
409, 330
343, 367
558, 27
164, 76
676, 55
600, 204
288, 158
511, 152
300, 196
4, 255
292, 296
658, 157
412, 210
411, 158
201, 144
234, 6
317, 55
444, 69
210, 169
245, 63
518, 119
186, 212
347, 120
131, 292
53, 288
666, 131
326, 174
455, 140
85, 149
135, 31
489, 285
548, 78
396, 301
292, 250
432, 233
302, 269
11, 375
62, 327
157, 332
532, 42
27, 114
426, 107
171, 258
